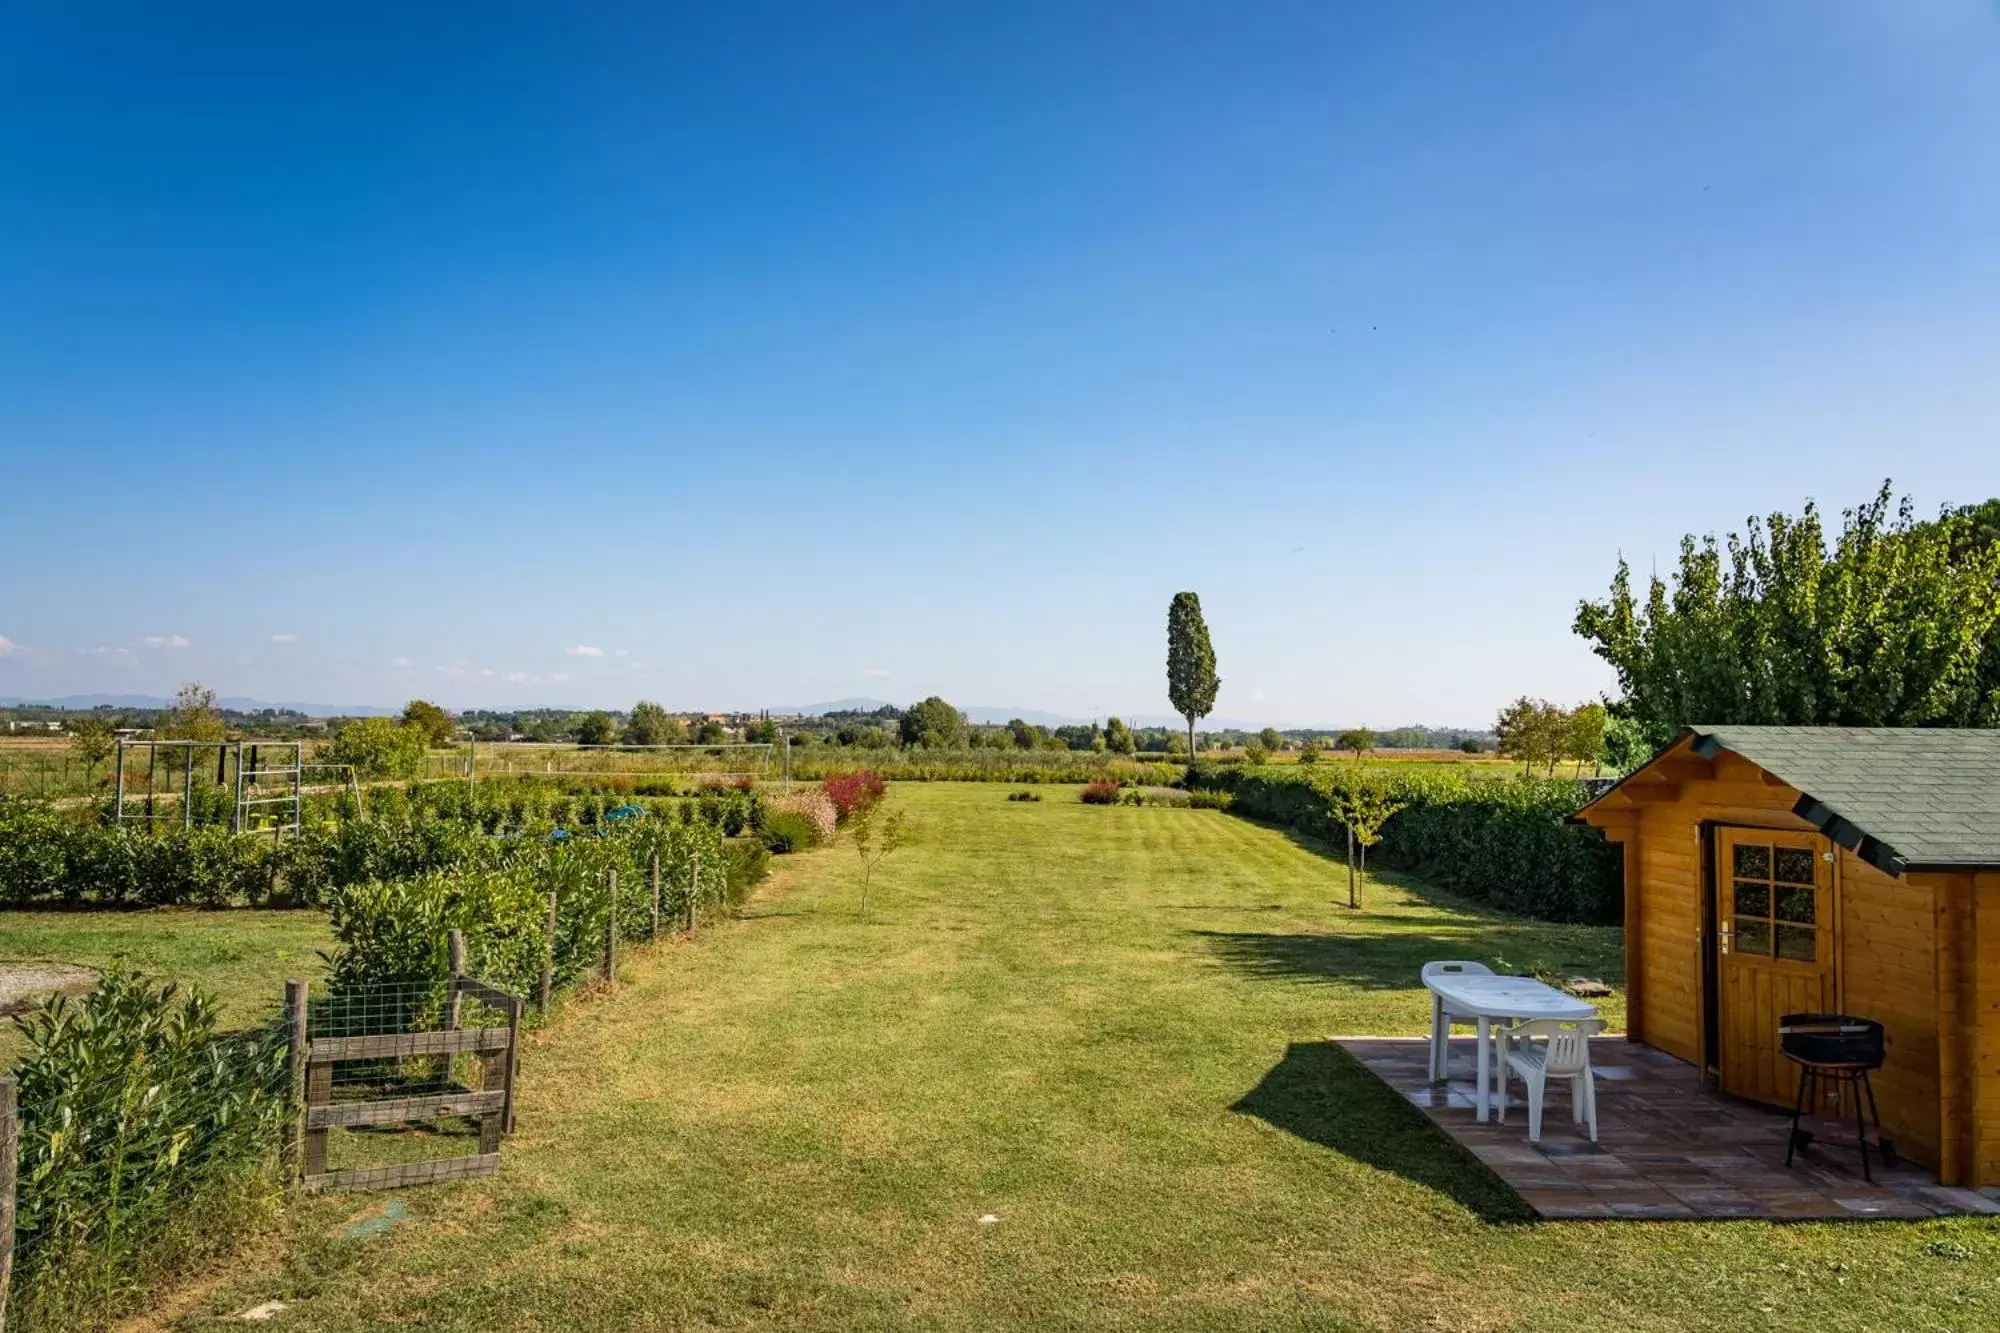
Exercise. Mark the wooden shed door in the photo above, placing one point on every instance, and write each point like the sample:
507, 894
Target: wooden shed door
1774, 939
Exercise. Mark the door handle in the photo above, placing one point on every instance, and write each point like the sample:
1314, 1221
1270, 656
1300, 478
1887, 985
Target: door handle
1722, 939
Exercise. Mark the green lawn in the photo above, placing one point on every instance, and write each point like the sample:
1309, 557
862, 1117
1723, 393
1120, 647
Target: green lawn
1072, 1075
240, 957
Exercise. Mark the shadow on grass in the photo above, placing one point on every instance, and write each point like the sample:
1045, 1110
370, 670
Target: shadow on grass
1325, 1096
1394, 959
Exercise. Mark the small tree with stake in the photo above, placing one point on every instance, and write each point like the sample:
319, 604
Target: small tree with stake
873, 842
1191, 679
93, 740
1364, 809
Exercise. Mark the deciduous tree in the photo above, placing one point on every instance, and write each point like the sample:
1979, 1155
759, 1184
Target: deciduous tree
194, 716
1360, 740
93, 739
934, 724
1117, 736
651, 724
1896, 624
435, 724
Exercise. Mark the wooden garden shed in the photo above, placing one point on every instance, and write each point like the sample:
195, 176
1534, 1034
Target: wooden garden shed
1772, 870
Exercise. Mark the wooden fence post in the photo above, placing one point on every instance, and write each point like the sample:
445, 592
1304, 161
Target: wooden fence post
295, 1074
548, 958
611, 926
513, 1061
10, 1143
694, 889
319, 1092
454, 948
656, 897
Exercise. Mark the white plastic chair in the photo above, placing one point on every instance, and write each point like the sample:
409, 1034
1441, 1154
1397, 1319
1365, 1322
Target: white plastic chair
1545, 1048
1441, 1017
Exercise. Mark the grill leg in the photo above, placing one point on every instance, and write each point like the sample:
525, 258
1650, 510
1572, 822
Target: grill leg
1792, 1144
1860, 1124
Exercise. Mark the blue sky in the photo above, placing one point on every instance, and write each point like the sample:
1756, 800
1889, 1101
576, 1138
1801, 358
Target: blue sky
784, 352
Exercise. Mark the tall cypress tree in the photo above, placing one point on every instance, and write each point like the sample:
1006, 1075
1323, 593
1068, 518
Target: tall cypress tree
1191, 678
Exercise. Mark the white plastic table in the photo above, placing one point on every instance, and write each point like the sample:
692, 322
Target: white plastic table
1486, 998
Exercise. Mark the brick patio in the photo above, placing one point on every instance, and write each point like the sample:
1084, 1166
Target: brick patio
1666, 1148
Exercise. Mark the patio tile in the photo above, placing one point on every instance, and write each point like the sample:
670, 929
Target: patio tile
1667, 1148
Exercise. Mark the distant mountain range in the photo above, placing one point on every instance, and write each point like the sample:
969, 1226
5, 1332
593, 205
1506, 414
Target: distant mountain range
235, 704
982, 714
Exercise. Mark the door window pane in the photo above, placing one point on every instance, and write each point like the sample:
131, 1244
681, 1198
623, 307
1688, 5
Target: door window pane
1799, 943
1753, 862
1793, 904
1795, 865
1753, 936
1753, 899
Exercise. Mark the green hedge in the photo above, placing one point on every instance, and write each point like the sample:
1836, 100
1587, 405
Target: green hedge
394, 930
52, 857
1501, 840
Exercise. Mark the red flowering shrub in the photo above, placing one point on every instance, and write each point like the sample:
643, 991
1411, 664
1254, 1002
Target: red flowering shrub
853, 791
1102, 791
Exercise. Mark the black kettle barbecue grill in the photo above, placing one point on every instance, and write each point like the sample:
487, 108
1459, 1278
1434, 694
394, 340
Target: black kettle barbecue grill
1837, 1049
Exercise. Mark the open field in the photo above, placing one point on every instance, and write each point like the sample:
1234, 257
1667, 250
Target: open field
1071, 1075
48, 767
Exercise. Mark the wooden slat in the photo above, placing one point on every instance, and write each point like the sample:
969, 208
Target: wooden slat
399, 1110
406, 1173
485, 994
394, 1044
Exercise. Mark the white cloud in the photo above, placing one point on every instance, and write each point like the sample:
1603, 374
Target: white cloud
8, 646
558, 676
585, 650
1257, 696
623, 653
165, 641
874, 671
284, 638
399, 661
521, 678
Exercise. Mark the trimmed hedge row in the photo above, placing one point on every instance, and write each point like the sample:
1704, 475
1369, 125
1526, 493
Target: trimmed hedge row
395, 931
1500, 840
50, 857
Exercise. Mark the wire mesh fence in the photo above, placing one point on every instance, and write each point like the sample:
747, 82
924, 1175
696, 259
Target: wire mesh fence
145, 1138
149, 1137
406, 1082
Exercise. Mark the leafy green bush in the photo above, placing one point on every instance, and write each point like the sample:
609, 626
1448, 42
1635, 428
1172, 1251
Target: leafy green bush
379, 747
1210, 800
788, 831
148, 1140
1502, 840
749, 865
1024, 796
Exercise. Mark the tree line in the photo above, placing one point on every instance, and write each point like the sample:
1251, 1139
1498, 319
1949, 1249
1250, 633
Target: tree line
1892, 621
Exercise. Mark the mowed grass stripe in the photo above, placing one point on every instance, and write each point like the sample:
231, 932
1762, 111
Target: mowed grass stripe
1102, 1027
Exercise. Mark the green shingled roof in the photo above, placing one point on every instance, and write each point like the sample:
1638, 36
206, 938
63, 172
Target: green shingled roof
1904, 798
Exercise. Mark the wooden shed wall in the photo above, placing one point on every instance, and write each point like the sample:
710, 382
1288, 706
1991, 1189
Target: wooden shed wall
1969, 1021
1889, 972
1889, 939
